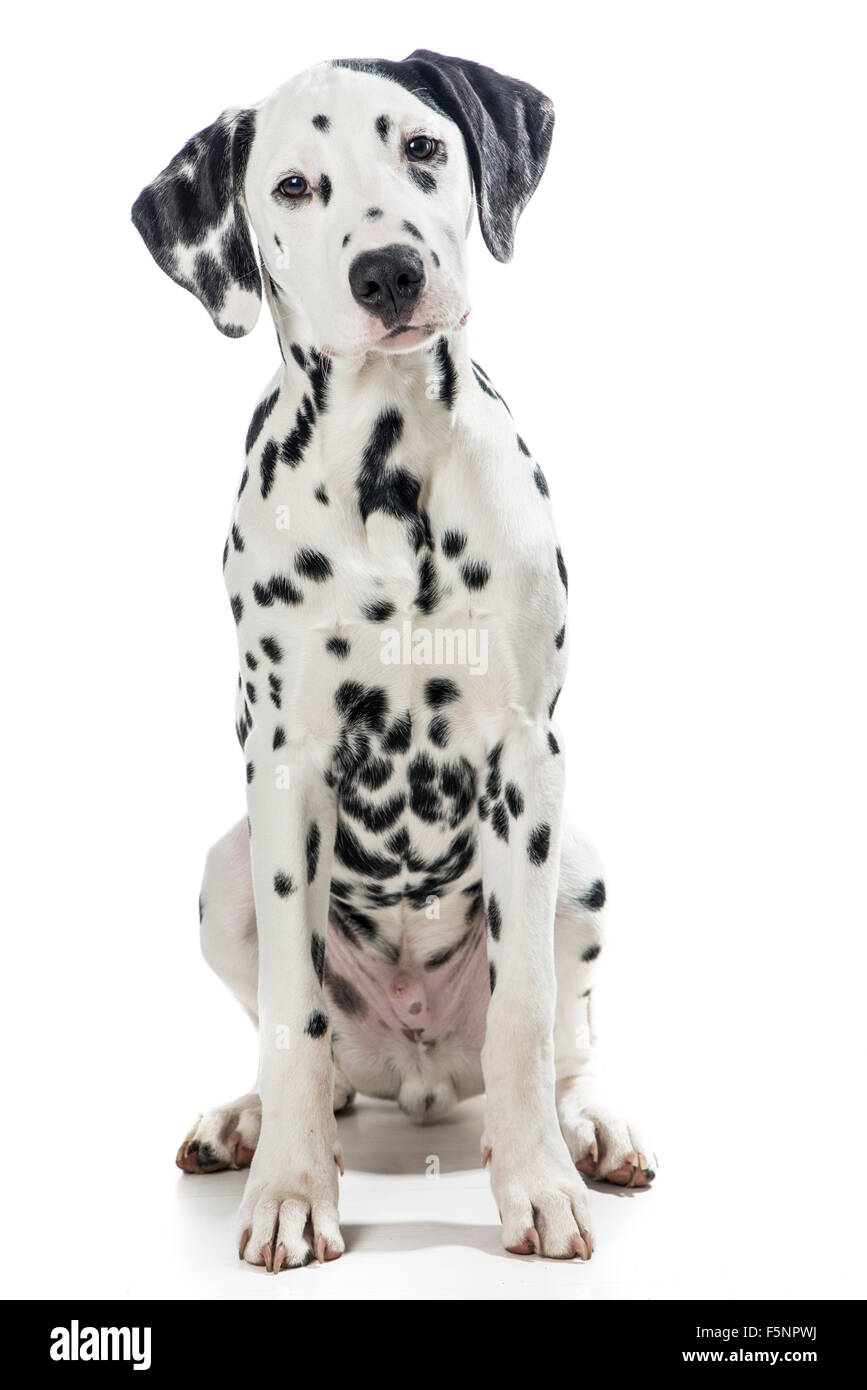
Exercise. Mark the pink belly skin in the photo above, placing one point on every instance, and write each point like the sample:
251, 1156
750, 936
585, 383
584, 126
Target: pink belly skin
408, 1002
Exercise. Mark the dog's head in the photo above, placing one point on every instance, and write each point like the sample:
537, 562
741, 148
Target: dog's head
357, 178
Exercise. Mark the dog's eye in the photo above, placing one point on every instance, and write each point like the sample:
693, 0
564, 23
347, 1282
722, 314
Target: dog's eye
294, 186
421, 147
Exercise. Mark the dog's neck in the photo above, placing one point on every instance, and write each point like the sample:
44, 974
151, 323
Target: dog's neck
429, 376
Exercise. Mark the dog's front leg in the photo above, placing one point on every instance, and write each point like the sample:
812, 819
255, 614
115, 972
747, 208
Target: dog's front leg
542, 1200
289, 1209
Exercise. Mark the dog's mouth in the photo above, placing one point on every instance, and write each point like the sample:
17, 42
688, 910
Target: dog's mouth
400, 337
404, 335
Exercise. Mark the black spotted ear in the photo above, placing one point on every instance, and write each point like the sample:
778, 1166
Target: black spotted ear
194, 224
507, 127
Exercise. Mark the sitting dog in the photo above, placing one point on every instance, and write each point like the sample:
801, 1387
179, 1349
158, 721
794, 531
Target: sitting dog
402, 911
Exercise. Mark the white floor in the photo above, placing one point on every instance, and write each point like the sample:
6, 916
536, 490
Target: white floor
135, 1227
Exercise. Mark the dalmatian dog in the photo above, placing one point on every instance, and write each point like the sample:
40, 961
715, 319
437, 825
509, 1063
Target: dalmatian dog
402, 912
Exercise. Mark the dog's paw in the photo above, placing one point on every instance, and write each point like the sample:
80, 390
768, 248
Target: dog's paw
225, 1137
289, 1215
601, 1143
543, 1207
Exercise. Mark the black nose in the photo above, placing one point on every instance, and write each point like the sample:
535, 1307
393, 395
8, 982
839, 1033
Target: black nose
388, 282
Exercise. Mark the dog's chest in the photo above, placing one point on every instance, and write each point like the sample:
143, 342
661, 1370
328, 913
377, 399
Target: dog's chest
389, 621
368, 565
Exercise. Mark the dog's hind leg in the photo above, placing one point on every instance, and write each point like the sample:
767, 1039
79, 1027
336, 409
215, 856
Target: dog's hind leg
602, 1144
227, 917
226, 1135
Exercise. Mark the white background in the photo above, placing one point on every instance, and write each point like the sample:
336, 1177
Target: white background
681, 338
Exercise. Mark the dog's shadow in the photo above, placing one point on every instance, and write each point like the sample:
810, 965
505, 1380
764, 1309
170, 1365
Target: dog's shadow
378, 1138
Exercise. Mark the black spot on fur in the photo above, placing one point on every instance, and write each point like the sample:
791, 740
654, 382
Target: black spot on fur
378, 611
441, 691
397, 740
374, 773
318, 372
339, 647
492, 976
311, 849
594, 898
494, 917
422, 178
251, 661
279, 737
438, 731
591, 952
500, 822
298, 354
412, 230
283, 885
424, 797
317, 952
561, 569
475, 574
237, 539
539, 844
373, 214
428, 594
268, 467
382, 487
322, 123
376, 818
453, 542
296, 441
362, 706
382, 125
321, 494
552, 743
317, 1025
448, 375
260, 415
494, 783
514, 800
344, 994
272, 649
325, 189
237, 607
560, 638
458, 785
312, 564
251, 772
278, 589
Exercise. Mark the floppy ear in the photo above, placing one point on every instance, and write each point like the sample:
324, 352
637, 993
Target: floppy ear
507, 127
193, 222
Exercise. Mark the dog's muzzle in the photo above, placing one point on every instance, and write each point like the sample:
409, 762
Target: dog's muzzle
388, 282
